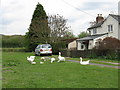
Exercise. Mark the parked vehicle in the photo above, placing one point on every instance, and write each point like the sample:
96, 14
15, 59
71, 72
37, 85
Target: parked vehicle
43, 49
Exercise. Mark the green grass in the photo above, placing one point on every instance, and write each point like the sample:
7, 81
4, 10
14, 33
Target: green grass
19, 73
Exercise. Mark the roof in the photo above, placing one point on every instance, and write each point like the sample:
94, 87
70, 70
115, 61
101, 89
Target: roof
91, 37
69, 40
117, 17
96, 25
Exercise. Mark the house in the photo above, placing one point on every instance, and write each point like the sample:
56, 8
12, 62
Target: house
72, 45
109, 27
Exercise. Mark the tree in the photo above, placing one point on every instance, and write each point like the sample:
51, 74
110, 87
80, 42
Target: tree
108, 43
38, 29
83, 34
59, 28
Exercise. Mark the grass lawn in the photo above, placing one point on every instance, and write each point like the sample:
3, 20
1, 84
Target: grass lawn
19, 73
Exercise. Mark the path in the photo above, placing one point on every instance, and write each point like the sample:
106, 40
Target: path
118, 67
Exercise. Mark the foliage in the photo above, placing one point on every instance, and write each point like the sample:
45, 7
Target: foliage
58, 46
14, 50
83, 34
38, 29
19, 73
104, 54
107, 43
13, 41
59, 28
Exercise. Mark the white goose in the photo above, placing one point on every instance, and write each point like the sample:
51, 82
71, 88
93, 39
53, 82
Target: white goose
84, 62
43, 58
60, 58
41, 62
31, 58
52, 60
33, 62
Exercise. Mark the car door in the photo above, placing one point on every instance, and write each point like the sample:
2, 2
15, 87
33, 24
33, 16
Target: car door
37, 49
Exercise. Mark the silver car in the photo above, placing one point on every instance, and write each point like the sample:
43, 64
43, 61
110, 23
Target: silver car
43, 49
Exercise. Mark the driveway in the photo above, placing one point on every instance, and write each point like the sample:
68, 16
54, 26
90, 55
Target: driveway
103, 65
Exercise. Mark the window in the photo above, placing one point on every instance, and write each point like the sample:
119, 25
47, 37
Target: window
110, 28
82, 46
94, 31
90, 32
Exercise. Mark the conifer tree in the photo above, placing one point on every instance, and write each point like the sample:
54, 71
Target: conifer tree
38, 31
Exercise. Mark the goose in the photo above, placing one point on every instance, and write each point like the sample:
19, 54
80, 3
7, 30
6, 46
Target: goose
41, 62
60, 58
33, 62
43, 58
31, 58
84, 62
52, 60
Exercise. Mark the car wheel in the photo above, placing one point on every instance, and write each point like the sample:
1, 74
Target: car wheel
36, 54
50, 54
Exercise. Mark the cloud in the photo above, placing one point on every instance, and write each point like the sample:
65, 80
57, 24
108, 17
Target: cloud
16, 15
94, 5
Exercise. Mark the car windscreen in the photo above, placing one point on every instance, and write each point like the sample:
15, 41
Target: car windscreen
46, 46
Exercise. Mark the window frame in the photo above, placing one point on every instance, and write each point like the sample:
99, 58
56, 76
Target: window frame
110, 28
94, 30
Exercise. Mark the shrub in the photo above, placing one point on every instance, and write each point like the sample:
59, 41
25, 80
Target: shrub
108, 43
58, 47
13, 41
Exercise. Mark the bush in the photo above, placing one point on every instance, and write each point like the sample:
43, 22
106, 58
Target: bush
107, 43
104, 54
58, 47
92, 55
13, 41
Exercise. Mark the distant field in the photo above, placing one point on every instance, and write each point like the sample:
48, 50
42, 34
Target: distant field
19, 73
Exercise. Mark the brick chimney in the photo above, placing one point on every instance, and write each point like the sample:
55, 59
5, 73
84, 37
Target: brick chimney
99, 18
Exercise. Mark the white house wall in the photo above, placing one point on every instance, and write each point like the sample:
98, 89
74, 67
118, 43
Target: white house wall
72, 45
110, 21
91, 44
79, 46
102, 37
104, 28
98, 31
119, 31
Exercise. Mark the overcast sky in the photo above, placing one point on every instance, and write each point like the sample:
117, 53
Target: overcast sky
15, 15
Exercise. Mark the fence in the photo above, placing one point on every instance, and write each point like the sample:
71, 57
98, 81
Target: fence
105, 54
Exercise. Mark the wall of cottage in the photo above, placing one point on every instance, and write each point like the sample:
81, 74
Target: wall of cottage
72, 45
119, 31
91, 44
110, 21
98, 31
104, 28
79, 45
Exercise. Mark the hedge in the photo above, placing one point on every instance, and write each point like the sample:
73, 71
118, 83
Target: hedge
13, 49
105, 54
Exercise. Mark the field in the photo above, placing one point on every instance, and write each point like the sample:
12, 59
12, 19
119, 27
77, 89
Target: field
19, 73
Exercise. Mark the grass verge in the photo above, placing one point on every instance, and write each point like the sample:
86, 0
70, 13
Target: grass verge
19, 73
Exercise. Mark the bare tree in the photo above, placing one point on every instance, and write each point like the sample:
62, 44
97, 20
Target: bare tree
58, 26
